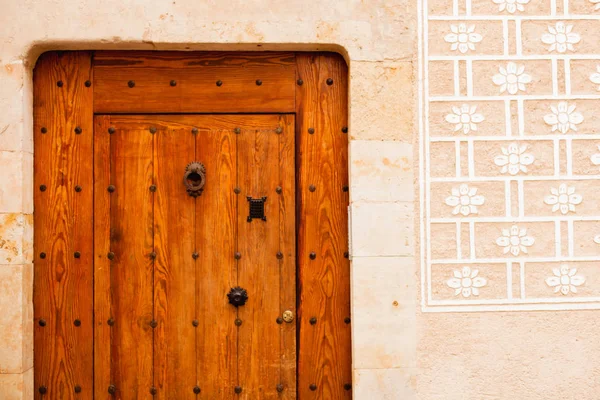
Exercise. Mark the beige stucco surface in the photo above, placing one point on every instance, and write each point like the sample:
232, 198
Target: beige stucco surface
403, 346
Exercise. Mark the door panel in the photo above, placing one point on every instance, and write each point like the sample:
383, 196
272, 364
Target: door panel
176, 257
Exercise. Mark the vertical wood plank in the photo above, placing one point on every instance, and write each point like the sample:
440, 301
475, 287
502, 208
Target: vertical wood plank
258, 269
63, 293
132, 267
287, 244
102, 295
324, 347
174, 269
215, 267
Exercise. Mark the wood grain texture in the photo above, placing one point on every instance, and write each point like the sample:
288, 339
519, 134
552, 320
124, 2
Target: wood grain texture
324, 283
196, 75
63, 292
132, 276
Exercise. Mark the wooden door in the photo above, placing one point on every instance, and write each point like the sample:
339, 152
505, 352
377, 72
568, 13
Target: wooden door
168, 260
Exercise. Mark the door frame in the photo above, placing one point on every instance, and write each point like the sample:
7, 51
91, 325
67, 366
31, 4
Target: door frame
314, 86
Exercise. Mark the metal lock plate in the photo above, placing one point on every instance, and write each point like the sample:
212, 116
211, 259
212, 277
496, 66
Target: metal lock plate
288, 316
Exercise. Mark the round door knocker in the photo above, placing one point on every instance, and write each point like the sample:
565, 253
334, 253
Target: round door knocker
237, 296
194, 178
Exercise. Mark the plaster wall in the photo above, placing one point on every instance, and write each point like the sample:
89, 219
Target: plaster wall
424, 327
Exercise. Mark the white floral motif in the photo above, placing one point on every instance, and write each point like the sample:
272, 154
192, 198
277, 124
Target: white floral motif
515, 240
463, 38
595, 158
597, 4
597, 239
561, 38
464, 118
595, 77
565, 280
512, 78
511, 5
514, 159
564, 199
464, 200
466, 282
563, 117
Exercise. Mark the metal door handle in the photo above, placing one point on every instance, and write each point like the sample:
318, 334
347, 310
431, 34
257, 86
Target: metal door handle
194, 178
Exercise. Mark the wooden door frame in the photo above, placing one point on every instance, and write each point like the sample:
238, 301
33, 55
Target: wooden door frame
314, 86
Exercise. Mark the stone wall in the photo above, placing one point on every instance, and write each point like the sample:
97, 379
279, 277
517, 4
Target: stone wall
459, 133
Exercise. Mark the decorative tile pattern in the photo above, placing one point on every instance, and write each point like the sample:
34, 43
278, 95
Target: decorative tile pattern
510, 163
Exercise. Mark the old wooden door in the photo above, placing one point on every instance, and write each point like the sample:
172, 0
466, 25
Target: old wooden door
173, 248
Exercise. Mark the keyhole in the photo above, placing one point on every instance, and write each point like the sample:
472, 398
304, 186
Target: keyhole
195, 178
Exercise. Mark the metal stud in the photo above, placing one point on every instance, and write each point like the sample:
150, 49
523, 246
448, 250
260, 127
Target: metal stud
219, 83
329, 81
110, 322
77, 389
313, 320
78, 188
346, 254
112, 389
153, 391
197, 389
237, 190
344, 188
278, 189
279, 255
43, 188
42, 322
195, 131
78, 130
59, 83
88, 83
278, 130
111, 130
237, 131
280, 388
345, 129
195, 256
152, 255
238, 389
152, 130
313, 387
77, 322
279, 320
237, 255
313, 255
153, 188
111, 188
43, 390
195, 323
44, 130
312, 188
153, 323
173, 83
131, 84
77, 254
347, 386
258, 82
110, 255
347, 320
238, 322
311, 130
42, 255
300, 82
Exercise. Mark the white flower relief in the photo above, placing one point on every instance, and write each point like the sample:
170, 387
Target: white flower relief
515, 240
565, 280
595, 158
511, 5
561, 38
464, 118
466, 282
512, 78
563, 117
463, 37
595, 77
597, 4
597, 239
514, 159
464, 200
564, 199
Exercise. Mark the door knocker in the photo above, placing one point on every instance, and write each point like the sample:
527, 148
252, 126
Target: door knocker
237, 296
194, 178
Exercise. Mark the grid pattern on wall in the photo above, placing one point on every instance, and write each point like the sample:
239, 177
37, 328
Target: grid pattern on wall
510, 163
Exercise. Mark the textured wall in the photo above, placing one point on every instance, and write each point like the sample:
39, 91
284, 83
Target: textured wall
424, 326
